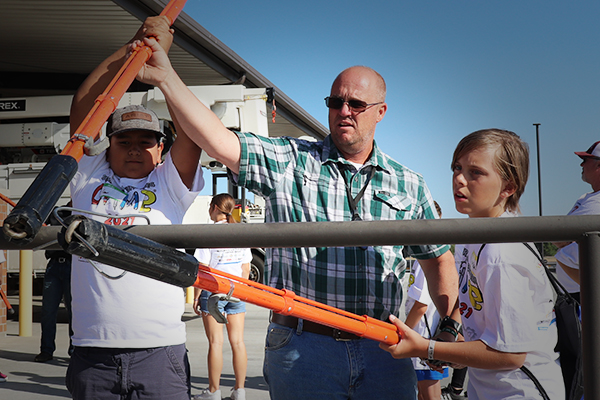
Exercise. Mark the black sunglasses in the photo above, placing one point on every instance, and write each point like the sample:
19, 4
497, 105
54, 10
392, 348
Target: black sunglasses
337, 103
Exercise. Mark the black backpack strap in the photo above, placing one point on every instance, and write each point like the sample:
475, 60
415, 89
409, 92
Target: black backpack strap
479, 253
558, 287
427, 324
537, 383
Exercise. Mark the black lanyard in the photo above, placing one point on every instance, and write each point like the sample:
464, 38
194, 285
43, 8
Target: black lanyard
353, 201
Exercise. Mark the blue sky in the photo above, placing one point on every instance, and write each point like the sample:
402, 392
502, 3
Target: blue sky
451, 67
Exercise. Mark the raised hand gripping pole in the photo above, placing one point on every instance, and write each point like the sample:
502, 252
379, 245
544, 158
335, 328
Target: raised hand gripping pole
25, 220
106, 244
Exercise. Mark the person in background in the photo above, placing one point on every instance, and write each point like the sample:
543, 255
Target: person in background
235, 262
128, 335
506, 300
345, 177
567, 256
57, 287
422, 316
454, 390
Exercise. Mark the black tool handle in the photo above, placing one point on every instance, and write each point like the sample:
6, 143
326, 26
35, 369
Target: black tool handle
28, 216
129, 252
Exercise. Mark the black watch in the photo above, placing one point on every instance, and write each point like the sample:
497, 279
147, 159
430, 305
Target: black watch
448, 322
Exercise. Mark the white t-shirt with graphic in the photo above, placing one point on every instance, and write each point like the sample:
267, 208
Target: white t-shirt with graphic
506, 302
419, 291
587, 204
225, 260
132, 311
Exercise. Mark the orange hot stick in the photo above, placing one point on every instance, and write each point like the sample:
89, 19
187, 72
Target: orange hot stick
25, 220
108, 101
286, 302
9, 308
109, 245
7, 200
281, 301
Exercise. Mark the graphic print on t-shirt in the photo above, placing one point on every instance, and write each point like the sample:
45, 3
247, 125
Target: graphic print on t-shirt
468, 284
128, 200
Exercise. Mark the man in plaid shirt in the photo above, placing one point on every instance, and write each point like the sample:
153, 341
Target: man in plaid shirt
344, 178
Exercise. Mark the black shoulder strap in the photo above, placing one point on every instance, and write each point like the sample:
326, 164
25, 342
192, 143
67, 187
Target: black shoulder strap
427, 323
558, 287
537, 383
479, 253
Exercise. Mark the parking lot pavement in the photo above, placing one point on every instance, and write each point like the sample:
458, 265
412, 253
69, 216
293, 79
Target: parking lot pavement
28, 380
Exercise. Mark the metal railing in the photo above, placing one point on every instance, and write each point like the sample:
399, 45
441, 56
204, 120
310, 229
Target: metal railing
583, 229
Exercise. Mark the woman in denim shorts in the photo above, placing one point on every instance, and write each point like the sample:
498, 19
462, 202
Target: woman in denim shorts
235, 262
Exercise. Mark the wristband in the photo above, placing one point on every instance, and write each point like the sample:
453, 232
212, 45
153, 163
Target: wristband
430, 349
449, 325
450, 331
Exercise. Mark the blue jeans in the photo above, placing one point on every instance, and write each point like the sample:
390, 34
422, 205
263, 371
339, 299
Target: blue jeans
303, 365
57, 286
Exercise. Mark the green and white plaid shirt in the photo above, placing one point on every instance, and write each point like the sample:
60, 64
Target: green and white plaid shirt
303, 181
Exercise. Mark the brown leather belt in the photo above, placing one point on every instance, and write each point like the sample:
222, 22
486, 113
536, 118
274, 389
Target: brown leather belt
312, 327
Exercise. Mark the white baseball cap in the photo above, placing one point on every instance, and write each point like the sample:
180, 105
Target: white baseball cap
593, 151
133, 118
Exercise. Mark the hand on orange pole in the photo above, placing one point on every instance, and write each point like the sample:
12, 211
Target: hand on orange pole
25, 220
108, 101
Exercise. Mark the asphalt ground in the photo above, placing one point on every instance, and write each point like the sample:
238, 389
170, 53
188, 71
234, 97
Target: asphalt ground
29, 380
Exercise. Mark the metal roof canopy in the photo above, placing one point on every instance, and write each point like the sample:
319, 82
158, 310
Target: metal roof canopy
49, 46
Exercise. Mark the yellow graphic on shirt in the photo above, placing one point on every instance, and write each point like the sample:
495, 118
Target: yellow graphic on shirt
148, 201
411, 279
121, 199
475, 295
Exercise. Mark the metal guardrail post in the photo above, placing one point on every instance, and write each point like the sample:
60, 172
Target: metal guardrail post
356, 233
589, 263
585, 229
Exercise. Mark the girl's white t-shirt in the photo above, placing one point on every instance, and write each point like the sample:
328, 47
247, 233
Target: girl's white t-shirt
133, 311
225, 260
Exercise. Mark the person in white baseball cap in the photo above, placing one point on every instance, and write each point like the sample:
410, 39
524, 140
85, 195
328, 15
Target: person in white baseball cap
568, 254
593, 151
133, 118
128, 335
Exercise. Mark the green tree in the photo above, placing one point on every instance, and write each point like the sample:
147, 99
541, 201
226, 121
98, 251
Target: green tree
550, 249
